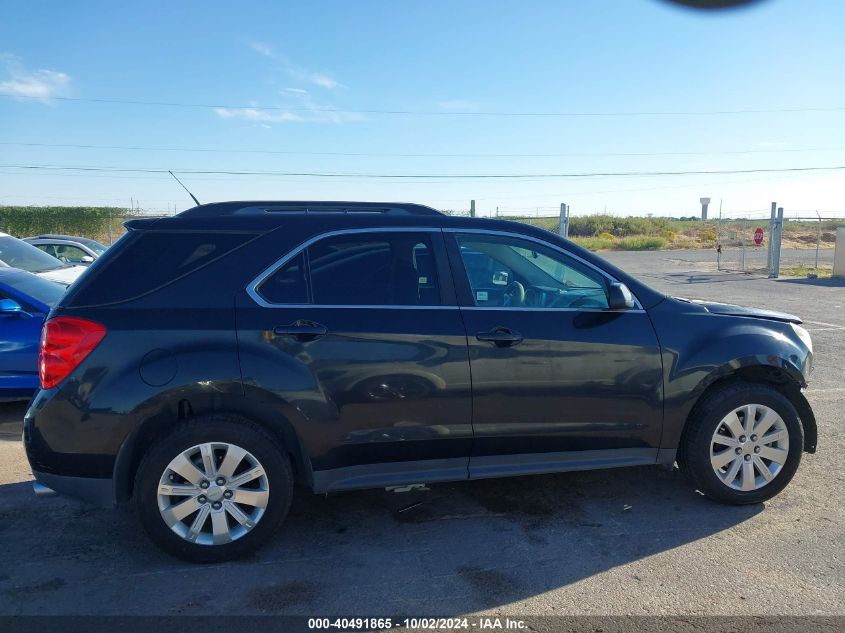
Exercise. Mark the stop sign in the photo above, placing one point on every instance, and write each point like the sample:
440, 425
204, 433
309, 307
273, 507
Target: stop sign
758, 236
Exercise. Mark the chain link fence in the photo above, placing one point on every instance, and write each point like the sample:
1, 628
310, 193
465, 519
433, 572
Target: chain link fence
743, 245
806, 246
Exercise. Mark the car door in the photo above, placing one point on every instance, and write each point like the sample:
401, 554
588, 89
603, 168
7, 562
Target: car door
19, 336
359, 338
560, 381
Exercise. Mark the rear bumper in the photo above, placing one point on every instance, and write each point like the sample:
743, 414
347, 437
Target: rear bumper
97, 491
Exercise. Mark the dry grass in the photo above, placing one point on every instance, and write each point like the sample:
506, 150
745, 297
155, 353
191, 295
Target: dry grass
801, 270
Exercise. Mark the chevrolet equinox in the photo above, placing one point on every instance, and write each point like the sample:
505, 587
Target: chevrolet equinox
209, 361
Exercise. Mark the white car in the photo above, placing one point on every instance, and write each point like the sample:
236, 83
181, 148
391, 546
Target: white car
16, 253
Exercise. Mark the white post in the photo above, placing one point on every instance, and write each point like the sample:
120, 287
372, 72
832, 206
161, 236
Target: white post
771, 238
839, 254
775, 273
563, 229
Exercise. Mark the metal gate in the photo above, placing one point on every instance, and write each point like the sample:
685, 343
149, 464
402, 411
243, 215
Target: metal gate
751, 244
737, 249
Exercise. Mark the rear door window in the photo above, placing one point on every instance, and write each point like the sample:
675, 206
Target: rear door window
151, 260
288, 284
381, 269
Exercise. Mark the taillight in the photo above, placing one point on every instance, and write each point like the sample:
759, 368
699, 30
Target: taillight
65, 342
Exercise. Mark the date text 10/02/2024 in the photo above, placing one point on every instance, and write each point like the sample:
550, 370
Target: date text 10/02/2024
434, 624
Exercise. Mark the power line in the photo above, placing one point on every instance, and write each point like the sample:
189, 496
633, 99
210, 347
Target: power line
226, 172
415, 155
437, 113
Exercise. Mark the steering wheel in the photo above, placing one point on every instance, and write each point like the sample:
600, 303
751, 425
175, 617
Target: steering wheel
514, 294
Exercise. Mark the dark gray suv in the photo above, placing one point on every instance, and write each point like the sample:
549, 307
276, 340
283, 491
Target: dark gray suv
356, 345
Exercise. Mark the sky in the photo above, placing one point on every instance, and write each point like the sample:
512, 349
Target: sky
519, 105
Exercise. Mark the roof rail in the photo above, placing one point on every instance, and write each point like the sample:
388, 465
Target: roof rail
220, 209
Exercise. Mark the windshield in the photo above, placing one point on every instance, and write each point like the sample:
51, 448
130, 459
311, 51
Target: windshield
18, 254
43, 290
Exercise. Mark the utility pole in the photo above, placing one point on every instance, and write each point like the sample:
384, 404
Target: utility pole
472, 208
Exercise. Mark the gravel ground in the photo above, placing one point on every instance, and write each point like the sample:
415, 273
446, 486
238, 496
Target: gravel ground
631, 541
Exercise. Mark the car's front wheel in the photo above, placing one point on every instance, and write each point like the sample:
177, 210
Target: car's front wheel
214, 489
743, 443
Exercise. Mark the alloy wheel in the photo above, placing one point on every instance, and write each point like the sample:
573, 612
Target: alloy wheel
213, 493
749, 447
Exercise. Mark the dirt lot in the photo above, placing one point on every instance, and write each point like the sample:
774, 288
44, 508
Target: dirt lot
634, 541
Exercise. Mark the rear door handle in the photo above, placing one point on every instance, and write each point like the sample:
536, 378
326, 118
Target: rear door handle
301, 330
501, 337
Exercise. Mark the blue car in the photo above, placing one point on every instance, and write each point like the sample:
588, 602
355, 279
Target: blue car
25, 300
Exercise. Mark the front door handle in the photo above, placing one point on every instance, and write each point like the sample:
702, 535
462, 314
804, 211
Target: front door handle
301, 330
501, 337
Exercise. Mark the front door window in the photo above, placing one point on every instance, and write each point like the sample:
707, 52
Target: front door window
504, 271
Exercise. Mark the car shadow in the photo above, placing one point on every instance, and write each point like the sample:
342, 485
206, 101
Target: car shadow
828, 282
451, 549
11, 419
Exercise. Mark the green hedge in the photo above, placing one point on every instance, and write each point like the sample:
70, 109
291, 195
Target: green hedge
82, 221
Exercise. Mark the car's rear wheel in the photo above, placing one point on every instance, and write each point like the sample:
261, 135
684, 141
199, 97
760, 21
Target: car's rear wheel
743, 444
214, 489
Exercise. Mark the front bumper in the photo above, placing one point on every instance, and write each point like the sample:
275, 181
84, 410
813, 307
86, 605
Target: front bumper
97, 491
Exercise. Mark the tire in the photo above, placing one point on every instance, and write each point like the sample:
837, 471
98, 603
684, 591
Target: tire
708, 436
234, 520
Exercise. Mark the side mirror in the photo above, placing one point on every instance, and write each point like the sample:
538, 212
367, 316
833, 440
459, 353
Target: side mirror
10, 307
86, 259
619, 297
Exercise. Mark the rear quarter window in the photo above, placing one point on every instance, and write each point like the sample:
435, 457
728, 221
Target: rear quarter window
149, 261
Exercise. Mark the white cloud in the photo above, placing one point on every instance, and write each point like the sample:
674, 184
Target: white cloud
261, 48
306, 112
300, 73
324, 81
297, 91
321, 79
37, 84
255, 114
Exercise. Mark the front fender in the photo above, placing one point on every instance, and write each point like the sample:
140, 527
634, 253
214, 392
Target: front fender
700, 348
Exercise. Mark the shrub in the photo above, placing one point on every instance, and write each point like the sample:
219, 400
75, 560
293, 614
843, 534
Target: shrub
606, 236
641, 243
595, 243
666, 234
595, 225
708, 235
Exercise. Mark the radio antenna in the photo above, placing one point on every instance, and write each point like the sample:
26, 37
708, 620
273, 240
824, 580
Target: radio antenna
184, 187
